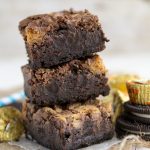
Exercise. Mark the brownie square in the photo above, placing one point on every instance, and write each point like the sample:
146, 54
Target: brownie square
77, 80
76, 126
59, 37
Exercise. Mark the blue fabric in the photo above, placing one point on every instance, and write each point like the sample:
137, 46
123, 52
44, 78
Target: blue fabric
12, 98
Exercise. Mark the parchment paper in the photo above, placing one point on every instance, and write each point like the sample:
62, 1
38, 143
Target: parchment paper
25, 144
128, 143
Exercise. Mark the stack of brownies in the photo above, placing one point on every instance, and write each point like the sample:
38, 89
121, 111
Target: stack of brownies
63, 78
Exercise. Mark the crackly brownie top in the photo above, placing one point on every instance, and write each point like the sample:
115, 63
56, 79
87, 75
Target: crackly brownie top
93, 64
35, 27
73, 114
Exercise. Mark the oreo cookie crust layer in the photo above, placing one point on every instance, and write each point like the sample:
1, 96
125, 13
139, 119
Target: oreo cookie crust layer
142, 118
125, 127
59, 37
139, 109
75, 81
74, 127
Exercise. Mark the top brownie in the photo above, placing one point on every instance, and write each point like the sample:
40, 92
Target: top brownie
59, 37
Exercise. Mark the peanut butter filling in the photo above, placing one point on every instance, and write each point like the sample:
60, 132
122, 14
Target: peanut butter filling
95, 65
76, 112
34, 35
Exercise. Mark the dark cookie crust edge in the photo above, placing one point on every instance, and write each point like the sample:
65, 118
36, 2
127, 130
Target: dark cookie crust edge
132, 125
142, 109
135, 118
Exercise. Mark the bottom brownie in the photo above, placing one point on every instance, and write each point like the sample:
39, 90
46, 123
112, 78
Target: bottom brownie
75, 126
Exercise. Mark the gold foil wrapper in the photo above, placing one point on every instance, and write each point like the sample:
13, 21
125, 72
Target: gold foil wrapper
119, 98
118, 82
139, 92
119, 93
11, 125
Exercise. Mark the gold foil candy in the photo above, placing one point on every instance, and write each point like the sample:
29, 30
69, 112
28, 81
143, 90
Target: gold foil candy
118, 82
11, 126
119, 93
119, 98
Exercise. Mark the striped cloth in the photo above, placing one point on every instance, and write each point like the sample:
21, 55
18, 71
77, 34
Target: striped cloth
12, 98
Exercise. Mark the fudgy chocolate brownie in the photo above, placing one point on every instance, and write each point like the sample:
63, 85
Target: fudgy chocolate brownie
78, 125
59, 37
77, 80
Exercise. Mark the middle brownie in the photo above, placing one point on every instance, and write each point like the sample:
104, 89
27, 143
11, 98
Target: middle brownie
71, 82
